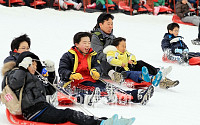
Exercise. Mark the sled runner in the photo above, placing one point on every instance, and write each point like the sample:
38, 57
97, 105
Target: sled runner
19, 120
176, 19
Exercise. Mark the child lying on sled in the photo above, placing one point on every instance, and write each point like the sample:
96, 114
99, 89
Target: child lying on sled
174, 48
123, 61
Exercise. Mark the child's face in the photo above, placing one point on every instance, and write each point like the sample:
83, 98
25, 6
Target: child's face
84, 45
107, 26
33, 67
23, 47
184, 1
122, 46
175, 31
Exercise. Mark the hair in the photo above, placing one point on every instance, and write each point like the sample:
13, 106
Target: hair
16, 42
102, 17
117, 40
171, 26
79, 35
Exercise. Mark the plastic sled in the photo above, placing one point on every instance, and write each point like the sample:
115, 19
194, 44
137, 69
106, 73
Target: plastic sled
123, 6
148, 7
176, 19
63, 100
141, 9
37, 2
16, 1
165, 59
194, 61
2, 2
110, 5
68, 4
131, 84
165, 9
19, 120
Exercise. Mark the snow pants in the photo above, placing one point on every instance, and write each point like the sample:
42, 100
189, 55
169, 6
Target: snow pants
53, 115
134, 75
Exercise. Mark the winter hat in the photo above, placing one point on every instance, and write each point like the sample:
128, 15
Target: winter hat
16, 42
33, 56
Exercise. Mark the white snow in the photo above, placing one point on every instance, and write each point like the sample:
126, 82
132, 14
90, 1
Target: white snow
51, 32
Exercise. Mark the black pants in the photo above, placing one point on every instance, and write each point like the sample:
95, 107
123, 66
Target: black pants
138, 67
54, 116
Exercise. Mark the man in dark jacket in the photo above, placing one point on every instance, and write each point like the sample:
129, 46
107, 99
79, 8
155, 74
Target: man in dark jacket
183, 11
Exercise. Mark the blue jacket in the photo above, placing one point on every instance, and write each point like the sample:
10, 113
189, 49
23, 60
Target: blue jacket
172, 46
13, 57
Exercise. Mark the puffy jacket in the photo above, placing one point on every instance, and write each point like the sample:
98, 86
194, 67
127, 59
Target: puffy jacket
167, 45
69, 63
99, 41
13, 57
116, 58
181, 9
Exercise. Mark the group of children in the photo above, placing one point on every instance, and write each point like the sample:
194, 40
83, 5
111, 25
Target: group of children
92, 57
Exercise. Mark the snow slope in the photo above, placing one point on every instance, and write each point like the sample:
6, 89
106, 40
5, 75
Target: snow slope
52, 31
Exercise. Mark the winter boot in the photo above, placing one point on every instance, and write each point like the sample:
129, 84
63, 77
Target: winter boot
116, 77
156, 79
145, 95
112, 97
93, 98
196, 41
165, 71
168, 83
145, 74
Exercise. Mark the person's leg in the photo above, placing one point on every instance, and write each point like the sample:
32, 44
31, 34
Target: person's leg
135, 76
54, 116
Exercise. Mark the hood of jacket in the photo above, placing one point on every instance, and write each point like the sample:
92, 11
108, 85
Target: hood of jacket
7, 66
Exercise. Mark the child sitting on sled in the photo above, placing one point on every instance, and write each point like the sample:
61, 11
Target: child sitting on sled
123, 61
80, 67
33, 104
174, 48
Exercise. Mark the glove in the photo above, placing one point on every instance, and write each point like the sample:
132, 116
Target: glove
133, 59
186, 50
26, 62
176, 39
95, 75
189, 14
178, 51
75, 76
49, 65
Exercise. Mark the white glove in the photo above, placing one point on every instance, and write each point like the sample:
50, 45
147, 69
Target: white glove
26, 62
49, 65
176, 39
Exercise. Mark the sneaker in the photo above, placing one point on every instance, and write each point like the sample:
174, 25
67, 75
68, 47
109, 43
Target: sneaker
110, 121
65, 6
196, 41
124, 121
156, 79
117, 77
165, 71
145, 74
145, 95
168, 83
93, 98
78, 6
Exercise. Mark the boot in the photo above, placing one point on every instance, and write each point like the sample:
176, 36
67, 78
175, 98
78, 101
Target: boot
196, 41
145, 95
168, 83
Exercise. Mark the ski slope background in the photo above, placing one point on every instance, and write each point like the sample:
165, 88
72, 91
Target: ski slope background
52, 32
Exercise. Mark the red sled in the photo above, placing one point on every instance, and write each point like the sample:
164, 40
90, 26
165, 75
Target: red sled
37, 2
19, 120
176, 19
2, 2
165, 59
64, 100
165, 9
148, 7
122, 6
194, 61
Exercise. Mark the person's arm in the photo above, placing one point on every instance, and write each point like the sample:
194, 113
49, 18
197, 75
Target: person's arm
97, 46
112, 60
65, 67
165, 44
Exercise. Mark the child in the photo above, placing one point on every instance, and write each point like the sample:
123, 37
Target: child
157, 5
79, 66
101, 4
174, 47
123, 61
183, 11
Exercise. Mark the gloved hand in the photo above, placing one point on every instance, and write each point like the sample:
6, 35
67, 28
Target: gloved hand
95, 75
26, 62
75, 76
186, 50
176, 39
178, 51
49, 65
189, 14
133, 59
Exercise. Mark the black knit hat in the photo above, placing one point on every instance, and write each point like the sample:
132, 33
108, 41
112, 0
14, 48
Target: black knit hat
33, 56
16, 42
